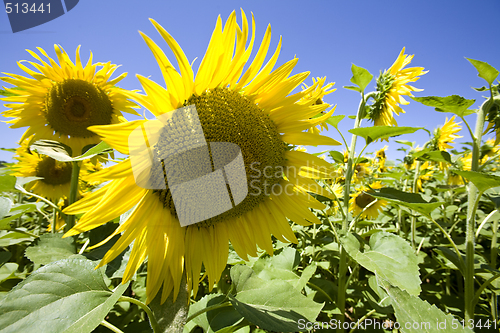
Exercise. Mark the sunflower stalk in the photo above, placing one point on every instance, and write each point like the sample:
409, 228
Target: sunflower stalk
171, 315
414, 217
342, 286
75, 172
472, 197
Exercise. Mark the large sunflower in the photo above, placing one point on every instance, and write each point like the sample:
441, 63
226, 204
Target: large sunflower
392, 85
61, 100
251, 110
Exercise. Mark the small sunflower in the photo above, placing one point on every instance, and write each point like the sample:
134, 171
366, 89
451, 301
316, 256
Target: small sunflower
316, 96
426, 173
361, 199
392, 85
253, 110
60, 101
56, 182
447, 134
338, 191
381, 158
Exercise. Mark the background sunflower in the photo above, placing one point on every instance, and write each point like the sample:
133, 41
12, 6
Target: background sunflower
60, 101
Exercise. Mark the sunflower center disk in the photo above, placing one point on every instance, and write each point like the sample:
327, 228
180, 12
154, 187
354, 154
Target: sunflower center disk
54, 172
363, 200
236, 142
73, 105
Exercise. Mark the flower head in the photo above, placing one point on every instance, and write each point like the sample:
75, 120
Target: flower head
252, 113
363, 203
447, 134
60, 101
392, 85
55, 176
317, 96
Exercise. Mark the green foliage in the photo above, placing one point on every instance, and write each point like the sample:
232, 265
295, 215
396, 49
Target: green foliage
453, 104
360, 77
49, 248
271, 304
371, 134
485, 70
63, 153
69, 295
421, 316
390, 258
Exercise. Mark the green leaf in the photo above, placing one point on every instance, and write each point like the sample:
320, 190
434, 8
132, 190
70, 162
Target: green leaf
404, 142
49, 248
4, 257
95, 316
11, 238
353, 88
337, 156
335, 120
428, 318
390, 257
374, 133
435, 156
360, 77
7, 182
410, 200
54, 149
61, 152
278, 267
495, 199
485, 70
101, 147
65, 296
272, 305
5, 205
453, 104
482, 181
217, 319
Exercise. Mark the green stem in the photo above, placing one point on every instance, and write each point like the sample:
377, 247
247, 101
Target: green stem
342, 287
472, 196
152, 319
413, 217
362, 319
54, 220
171, 315
493, 263
75, 172
208, 308
50, 203
111, 326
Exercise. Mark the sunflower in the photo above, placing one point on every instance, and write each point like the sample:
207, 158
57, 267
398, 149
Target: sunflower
254, 115
361, 199
61, 100
338, 191
55, 182
447, 134
317, 96
392, 85
381, 158
426, 173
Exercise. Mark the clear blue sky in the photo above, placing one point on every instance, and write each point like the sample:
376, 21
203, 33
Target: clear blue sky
326, 36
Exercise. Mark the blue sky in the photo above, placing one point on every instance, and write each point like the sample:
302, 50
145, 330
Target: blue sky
326, 36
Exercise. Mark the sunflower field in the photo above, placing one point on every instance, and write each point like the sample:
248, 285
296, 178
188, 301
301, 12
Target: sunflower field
209, 215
